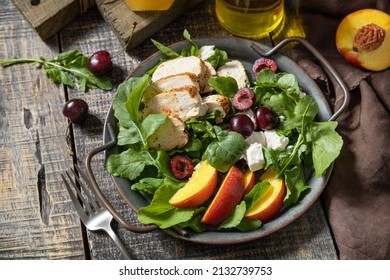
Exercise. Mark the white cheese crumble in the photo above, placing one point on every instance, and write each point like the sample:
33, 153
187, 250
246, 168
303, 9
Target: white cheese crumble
206, 51
254, 156
257, 137
275, 141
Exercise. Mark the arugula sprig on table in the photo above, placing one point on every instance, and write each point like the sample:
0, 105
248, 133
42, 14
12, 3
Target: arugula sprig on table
65, 68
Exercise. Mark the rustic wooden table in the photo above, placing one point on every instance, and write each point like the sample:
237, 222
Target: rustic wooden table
38, 220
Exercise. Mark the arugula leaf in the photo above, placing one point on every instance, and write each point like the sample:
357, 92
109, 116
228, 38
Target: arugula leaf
326, 145
226, 150
255, 194
266, 76
289, 82
162, 162
123, 93
66, 66
236, 220
150, 185
304, 113
247, 225
128, 136
195, 222
295, 184
138, 86
235, 217
226, 86
218, 59
165, 50
163, 214
202, 128
151, 124
128, 164
194, 49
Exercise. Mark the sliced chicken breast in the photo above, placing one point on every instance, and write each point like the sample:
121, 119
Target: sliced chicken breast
184, 102
210, 72
234, 69
217, 102
180, 65
169, 83
169, 136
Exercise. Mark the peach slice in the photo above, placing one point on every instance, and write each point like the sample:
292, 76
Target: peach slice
198, 188
249, 181
272, 200
226, 199
363, 39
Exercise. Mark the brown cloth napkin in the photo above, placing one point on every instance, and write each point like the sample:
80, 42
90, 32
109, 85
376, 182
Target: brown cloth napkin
357, 197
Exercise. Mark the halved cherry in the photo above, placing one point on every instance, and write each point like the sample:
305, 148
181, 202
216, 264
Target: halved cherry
264, 63
181, 167
243, 99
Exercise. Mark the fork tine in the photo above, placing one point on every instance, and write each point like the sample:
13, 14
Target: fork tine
76, 203
88, 191
80, 195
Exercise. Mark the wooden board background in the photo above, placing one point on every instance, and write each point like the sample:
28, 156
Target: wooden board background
37, 218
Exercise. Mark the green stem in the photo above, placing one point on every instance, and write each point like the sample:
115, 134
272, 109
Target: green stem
295, 150
20, 60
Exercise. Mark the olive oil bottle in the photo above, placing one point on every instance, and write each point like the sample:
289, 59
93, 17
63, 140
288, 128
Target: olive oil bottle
249, 18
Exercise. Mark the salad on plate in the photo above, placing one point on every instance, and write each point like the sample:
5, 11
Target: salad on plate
212, 149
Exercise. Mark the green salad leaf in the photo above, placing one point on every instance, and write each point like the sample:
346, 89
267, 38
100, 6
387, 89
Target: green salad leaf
226, 86
296, 185
235, 217
126, 113
226, 150
255, 194
326, 145
161, 213
128, 164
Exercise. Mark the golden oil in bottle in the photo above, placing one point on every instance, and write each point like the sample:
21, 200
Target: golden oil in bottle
249, 18
149, 5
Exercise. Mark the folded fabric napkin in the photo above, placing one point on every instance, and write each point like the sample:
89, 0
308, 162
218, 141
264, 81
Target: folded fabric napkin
357, 197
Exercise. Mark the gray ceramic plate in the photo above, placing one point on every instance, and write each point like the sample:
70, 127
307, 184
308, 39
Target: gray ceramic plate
237, 49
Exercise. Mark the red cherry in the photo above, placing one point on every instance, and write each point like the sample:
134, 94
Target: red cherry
266, 118
100, 63
242, 124
76, 110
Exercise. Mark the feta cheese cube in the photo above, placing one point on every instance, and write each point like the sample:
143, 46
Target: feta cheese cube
257, 137
274, 141
206, 51
255, 157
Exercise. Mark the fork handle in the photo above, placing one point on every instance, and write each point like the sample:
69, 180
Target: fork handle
119, 243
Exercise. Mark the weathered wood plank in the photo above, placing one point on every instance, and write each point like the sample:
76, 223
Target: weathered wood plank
307, 238
121, 19
48, 17
37, 219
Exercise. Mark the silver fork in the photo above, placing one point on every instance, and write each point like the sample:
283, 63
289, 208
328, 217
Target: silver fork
93, 216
